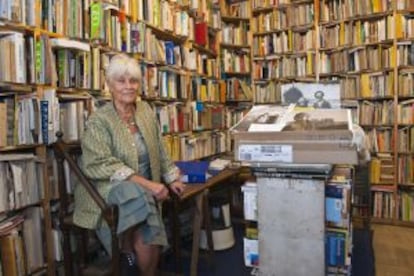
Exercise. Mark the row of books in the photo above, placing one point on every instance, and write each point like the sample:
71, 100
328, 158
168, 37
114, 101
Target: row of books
38, 59
185, 147
356, 32
290, 17
267, 92
343, 10
28, 118
406, 202
208, 90
380, 139
382, 169
383, 204
235, 62
235, 34
107, 18
380, 113
238, 89
406, 139
406, 169
77, 68
182, 117
22, 246
377, 85
405, 112
283, 42
20, 181
289, 66
356, 60
73, 68
405, 83
49, 15
235, 9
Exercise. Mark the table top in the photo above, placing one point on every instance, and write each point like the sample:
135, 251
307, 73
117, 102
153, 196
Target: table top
194, 189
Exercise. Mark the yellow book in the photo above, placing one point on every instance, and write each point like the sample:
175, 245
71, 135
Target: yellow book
365, 86
309, 63
3, 124
376, 5
374, 171
399, 28
342, 33
393, 55
357, 33
203, 93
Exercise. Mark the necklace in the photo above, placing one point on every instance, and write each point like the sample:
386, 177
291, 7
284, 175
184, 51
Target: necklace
131, 121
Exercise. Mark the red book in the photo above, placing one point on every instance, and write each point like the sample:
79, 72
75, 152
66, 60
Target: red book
200, 33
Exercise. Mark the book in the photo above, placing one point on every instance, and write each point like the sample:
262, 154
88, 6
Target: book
3, 124
193, 171
200, 33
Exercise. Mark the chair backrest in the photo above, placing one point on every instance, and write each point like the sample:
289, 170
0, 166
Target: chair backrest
66, 152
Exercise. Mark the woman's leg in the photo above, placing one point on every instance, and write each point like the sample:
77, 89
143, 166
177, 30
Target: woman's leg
147, 255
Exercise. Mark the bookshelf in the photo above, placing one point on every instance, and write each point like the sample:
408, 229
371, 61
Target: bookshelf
365, 46
53, 60
25, 245
235, 57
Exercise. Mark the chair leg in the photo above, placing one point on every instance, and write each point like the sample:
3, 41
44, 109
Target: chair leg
67, 253
116, 268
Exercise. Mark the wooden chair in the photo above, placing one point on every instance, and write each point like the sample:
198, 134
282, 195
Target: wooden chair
80, 266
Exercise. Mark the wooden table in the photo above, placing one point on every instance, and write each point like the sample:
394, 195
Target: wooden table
197, 192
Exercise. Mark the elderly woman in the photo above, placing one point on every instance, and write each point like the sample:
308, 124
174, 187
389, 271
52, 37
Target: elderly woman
123, 150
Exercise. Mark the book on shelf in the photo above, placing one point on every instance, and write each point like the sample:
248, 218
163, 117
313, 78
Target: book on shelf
33, 238
337, 204
3, 124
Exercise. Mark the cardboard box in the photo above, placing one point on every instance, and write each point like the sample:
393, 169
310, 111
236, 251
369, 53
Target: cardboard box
266, 148
326, 137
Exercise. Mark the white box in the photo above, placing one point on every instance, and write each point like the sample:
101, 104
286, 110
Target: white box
251, 252
291, 226
249, 190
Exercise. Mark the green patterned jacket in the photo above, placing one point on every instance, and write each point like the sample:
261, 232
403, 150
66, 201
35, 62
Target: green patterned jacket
108, 146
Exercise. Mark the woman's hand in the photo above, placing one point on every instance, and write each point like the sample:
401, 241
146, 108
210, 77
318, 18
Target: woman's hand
177, 187
158, 190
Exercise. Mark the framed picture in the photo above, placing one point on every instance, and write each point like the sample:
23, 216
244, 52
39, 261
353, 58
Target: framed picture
316, 95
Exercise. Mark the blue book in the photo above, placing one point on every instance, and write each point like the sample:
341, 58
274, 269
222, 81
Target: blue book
169, 52
44, 113
333, 210
193, 171
335, 248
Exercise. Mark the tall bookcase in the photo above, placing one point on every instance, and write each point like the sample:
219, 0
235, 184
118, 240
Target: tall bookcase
235, 57
52, 65
366, 46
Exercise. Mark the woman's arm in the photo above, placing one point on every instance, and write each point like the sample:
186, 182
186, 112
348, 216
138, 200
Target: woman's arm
98, 162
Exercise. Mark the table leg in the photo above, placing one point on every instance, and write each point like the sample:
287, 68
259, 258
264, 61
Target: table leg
208, 228
197, 223
176, 236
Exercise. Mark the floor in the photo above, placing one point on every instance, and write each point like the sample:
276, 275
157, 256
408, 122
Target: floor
394, 250
230, 261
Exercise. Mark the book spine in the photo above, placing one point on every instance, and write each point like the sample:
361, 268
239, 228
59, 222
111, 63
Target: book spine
44, 111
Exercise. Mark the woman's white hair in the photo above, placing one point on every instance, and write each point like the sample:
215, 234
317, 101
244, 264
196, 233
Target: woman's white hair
121, 65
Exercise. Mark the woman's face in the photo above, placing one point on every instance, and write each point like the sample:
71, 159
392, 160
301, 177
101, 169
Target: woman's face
124, 89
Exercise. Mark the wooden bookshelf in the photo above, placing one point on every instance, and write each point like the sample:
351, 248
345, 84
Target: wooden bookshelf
64, 51
377, 36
